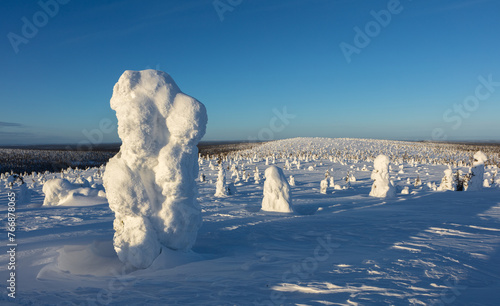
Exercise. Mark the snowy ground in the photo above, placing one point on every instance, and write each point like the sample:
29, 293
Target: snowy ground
339, 248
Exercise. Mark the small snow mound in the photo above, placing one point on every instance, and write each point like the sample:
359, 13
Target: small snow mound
60, 192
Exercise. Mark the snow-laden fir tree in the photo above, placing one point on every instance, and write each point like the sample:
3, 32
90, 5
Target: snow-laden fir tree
324, 186
277, 193
382, 187
477, 172
332, 182
221, 189
256, 175
150, 184
418, 181
448, 182
291, 180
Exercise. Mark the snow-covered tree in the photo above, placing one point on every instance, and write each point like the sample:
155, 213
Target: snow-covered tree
477, 172
418, 181
150, 183
458, 181
221, 189
291, 180
287, 165
448, 182
277, 193
256, 175
324, 186
382, 187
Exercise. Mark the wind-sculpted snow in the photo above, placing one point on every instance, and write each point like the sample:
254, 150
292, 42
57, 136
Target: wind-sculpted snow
150, 183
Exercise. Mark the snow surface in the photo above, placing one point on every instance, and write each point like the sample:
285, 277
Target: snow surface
150, 183
344, 248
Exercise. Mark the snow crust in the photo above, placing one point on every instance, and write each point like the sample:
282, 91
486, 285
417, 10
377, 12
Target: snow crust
150, 183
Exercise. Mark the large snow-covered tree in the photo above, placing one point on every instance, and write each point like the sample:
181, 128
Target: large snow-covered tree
150, 183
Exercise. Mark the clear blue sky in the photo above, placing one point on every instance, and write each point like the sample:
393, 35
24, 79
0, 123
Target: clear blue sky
263, 55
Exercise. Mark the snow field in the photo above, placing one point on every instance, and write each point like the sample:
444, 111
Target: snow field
343, 247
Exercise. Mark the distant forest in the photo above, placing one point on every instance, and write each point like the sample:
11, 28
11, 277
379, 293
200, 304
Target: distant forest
54, 158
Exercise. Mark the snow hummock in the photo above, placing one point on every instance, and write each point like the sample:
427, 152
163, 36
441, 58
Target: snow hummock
61, 192
382, 187
277, 193
150, 183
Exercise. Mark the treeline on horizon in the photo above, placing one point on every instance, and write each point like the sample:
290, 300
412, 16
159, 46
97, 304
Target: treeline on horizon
54, 158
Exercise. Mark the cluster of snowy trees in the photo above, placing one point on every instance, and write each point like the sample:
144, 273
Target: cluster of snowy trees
22, 161
346, 150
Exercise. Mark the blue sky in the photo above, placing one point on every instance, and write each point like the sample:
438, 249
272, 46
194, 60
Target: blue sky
417, 78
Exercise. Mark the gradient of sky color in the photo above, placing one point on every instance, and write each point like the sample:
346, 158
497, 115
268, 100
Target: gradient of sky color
265, 55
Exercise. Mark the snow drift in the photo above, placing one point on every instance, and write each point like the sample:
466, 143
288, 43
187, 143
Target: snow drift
150, 183
61, 192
